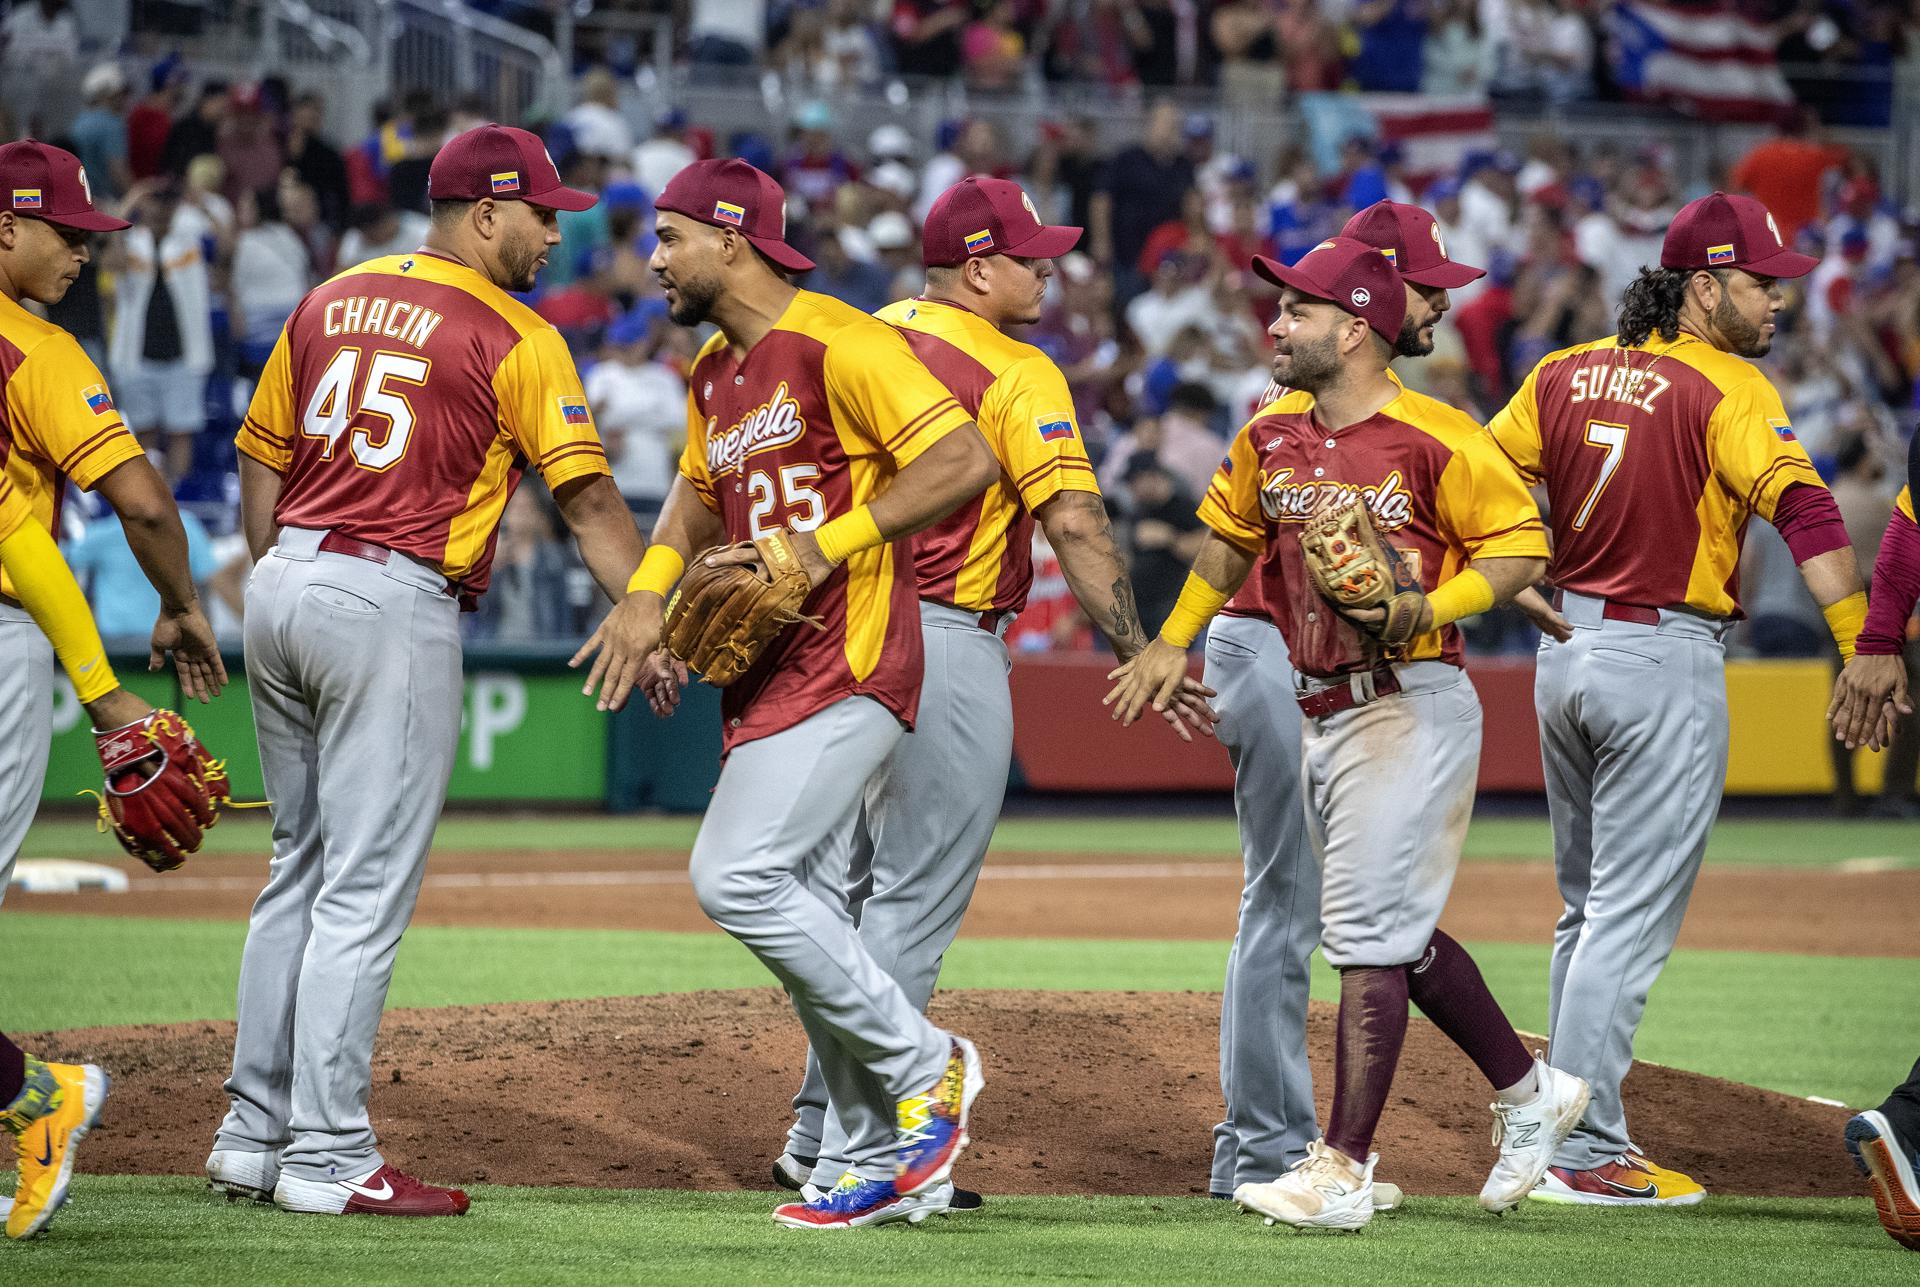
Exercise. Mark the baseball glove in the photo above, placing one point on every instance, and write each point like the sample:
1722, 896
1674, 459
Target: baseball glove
162, 788
726, 614
1355, 570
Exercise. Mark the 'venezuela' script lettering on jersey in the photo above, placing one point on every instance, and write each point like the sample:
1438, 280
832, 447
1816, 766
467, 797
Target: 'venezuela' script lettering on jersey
1617, 382
775, 423
401, 320
1285, 501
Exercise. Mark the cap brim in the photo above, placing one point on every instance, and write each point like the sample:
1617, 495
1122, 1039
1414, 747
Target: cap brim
1048, 243
1784, 263
88, 221
1446, 276
782, 254
562, 199
1283, 277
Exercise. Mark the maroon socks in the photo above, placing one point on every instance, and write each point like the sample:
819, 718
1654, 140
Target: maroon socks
1446, 985
1373, 1027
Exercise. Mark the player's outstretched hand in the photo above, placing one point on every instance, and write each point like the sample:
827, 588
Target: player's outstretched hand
665, 676
1189, 711
620, 649
196, 653
1868, 699
1541, 613
1154, 676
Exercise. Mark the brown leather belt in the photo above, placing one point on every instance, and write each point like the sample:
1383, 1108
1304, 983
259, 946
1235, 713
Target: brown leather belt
1344, 697
1611, 611
341, 543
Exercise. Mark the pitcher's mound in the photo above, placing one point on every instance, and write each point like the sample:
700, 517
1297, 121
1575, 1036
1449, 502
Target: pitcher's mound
1087, 1092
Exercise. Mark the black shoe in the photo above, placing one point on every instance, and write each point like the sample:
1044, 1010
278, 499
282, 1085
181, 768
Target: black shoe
966, 1200
793, 1173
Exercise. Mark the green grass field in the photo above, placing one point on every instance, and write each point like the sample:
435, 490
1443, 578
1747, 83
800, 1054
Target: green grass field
1840, 1028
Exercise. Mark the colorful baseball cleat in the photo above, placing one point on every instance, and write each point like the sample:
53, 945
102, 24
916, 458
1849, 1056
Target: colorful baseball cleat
60, 1104
852, 1204
386, 1190
238, 1174
1529, 1134
1326, 1190
1632, 1181
933, 1126
1890, 1164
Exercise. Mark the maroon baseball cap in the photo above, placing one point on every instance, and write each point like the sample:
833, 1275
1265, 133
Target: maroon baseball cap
504, 163
49, 183
983, 216
1731, 231
1351, 274
734, 194
1410, 239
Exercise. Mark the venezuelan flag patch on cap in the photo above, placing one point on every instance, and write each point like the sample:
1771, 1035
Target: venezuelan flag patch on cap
1393, 256
507, 181
1720, 254
26, 198
1055, 427
574, 411
97, 399
727, 212
979, 241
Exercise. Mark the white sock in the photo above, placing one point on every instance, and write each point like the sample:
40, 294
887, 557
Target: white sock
1524, 1091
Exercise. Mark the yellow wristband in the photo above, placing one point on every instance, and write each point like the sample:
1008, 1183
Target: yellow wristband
1199, 600
46, 588
1467, 595
842, 538
660, 567
1845, 619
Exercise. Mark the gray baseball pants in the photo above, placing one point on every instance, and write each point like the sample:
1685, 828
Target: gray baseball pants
354, 672
26, 711
927, 818
1633, 737
1264, 1074
778, 830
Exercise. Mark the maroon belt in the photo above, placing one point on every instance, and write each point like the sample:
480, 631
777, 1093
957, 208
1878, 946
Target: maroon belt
992, 621
341, 543
1341, 697
1611, 611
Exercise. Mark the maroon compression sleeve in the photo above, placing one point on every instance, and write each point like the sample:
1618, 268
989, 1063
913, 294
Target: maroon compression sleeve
1810, 521
1896, 586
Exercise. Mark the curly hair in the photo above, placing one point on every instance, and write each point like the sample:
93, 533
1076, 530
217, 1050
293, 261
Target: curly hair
1651, 304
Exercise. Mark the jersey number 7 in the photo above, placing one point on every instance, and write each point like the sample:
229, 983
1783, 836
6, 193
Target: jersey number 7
1614, 439
334, 406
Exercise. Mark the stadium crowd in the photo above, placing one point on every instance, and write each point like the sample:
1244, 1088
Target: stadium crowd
241, 202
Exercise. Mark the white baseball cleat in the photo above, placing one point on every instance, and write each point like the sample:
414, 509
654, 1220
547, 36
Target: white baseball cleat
1327, 1190
1529, 1135
239, 1174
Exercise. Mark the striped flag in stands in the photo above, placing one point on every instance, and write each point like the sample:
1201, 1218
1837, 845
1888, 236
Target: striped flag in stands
1706, 60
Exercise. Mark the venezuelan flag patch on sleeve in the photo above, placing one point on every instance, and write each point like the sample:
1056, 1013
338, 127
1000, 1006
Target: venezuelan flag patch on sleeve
1782, 430
1055, 427
97, 399
574, 411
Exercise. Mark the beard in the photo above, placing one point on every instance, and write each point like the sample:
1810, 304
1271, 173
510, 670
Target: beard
697, 298
1744, 339
1409, 344
520, 261
1310, 368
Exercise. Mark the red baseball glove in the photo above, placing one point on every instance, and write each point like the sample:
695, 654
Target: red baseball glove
162, 788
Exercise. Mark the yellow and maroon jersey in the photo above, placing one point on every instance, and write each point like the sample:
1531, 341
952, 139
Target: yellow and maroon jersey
811, 422
57, 420
14, 510
980, 557
1438, 491
1247, 601
1654, 458
403, 402
1904, 503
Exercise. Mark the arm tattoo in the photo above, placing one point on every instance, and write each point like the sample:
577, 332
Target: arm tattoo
1124, 629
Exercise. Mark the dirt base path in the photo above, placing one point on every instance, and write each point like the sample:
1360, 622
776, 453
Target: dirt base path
1761, 909
1102, 1093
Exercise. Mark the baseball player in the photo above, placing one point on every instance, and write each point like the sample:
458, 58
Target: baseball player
810, 418
395, 417
930, 810
1264, 1075
60, 426
1869, 696
1391, 741
1656, 445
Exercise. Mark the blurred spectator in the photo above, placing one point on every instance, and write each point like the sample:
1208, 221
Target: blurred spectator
151, 120
898, 247
847, 271
249, 146
1392, 35
639, 404
198, 132
161, 348
599, 126
925, 35
1190, 450
1456, 56
1176, 298
204, 212
1165, 536
1052, 619
407, 176
41, 39
975, 149
1314, 47
1487, 207
664, 153
1189, 233
1782, 618
317, 162
272, 272
376, 231
1785, 172
726, 33
99, 133
1246, 35
1063, 170
124, 603
1546, 50
816, 167
528, 597
992, 51
583, 233
1144, 185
